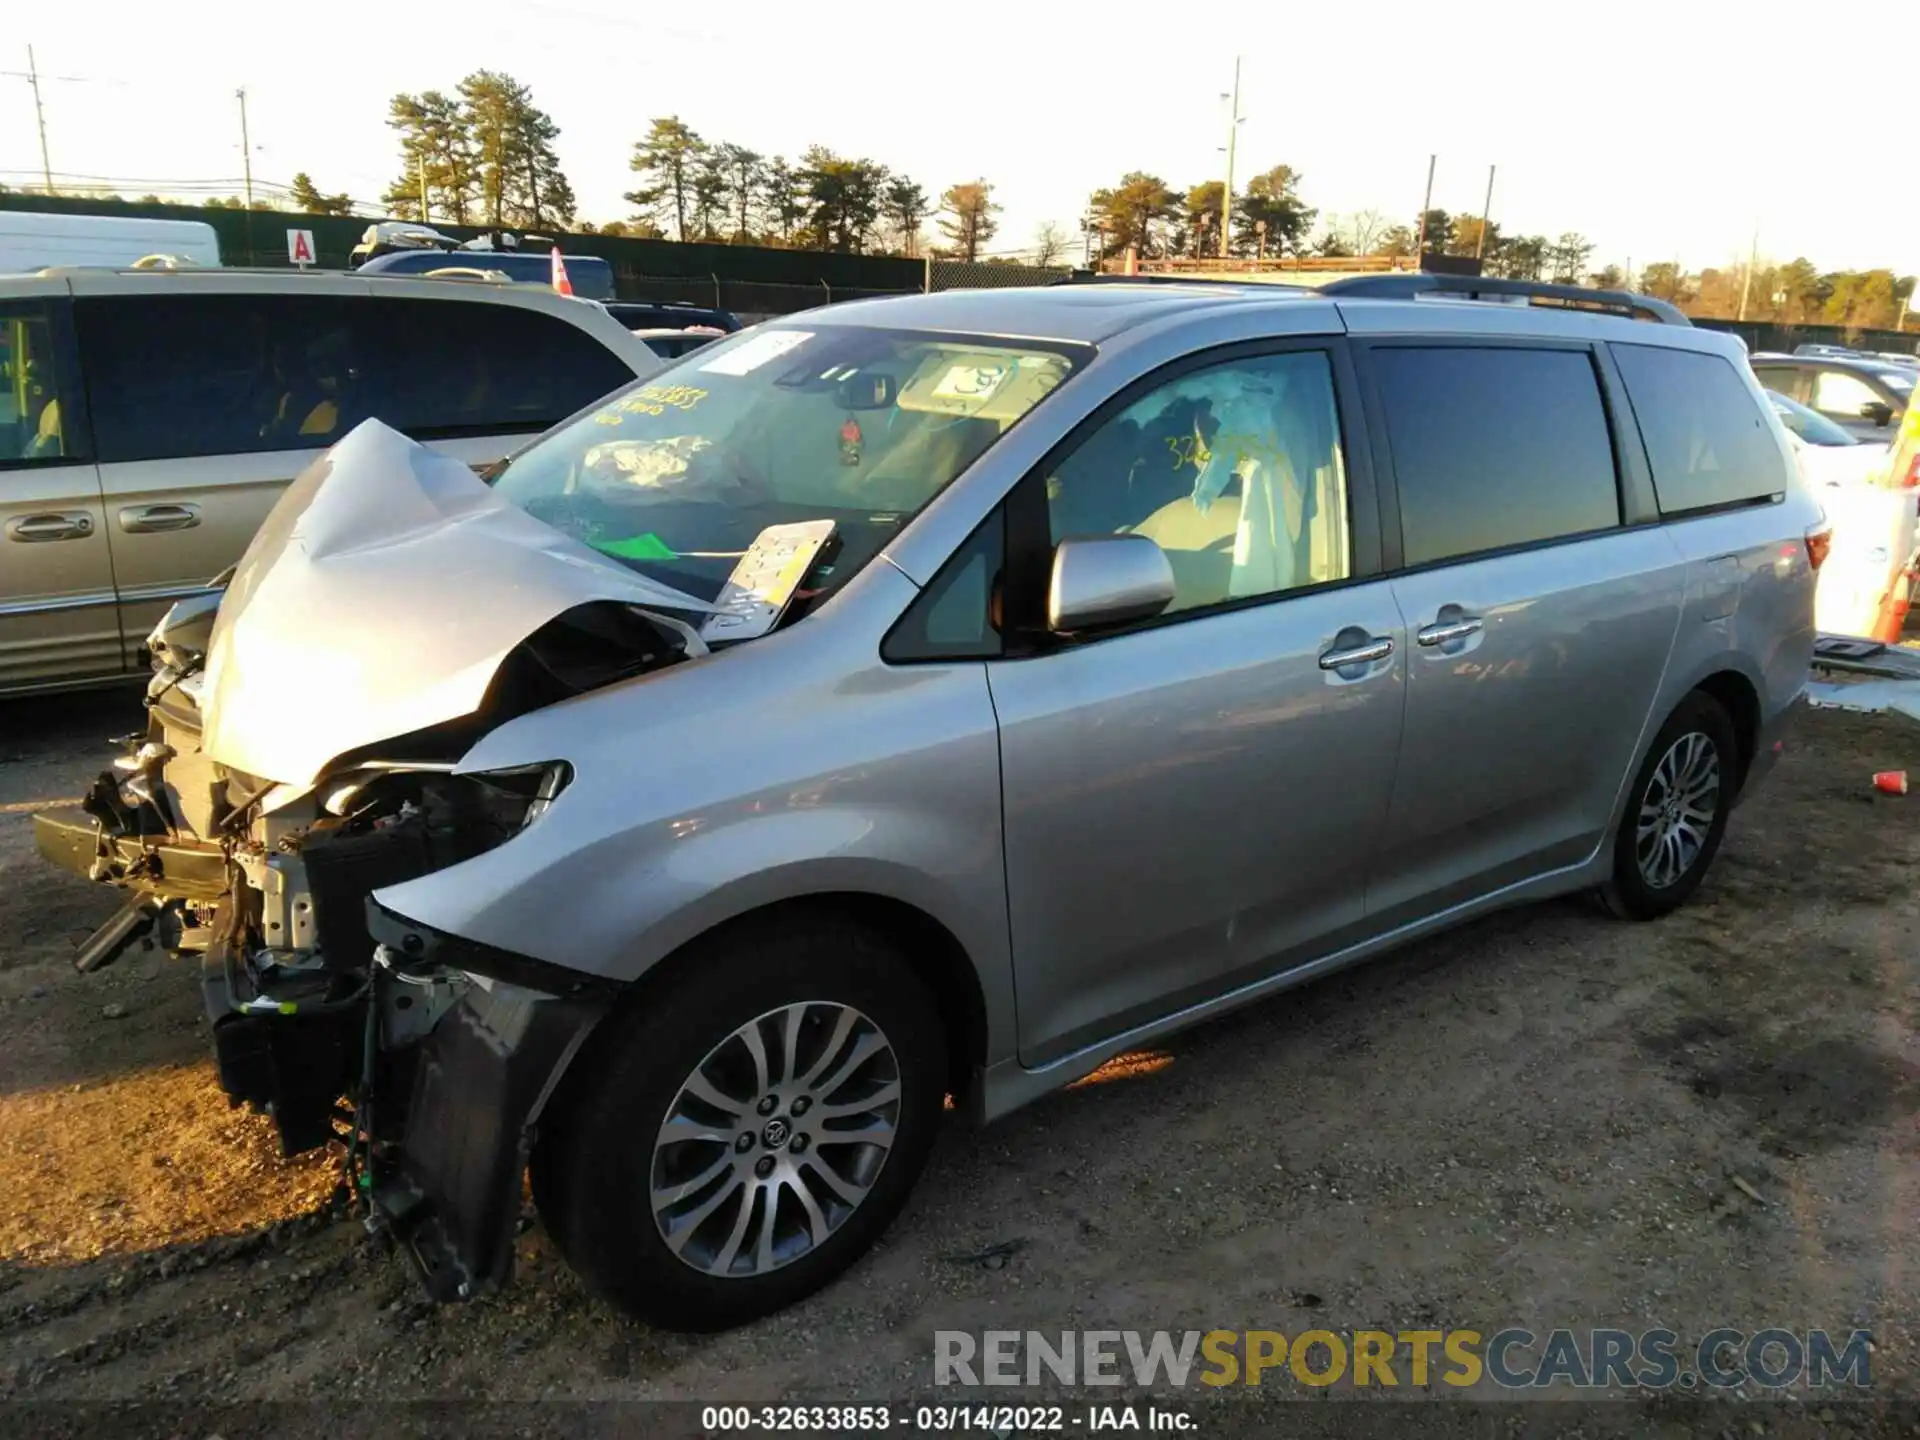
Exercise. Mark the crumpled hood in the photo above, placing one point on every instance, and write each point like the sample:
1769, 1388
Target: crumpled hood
382, 593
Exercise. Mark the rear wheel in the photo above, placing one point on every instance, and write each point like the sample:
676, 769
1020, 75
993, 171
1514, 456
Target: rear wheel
1676, 812
751, 1129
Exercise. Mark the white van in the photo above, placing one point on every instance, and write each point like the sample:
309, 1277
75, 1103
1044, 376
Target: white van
30, 240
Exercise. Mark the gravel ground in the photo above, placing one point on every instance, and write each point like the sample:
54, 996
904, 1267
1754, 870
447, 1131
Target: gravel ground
1548, 1118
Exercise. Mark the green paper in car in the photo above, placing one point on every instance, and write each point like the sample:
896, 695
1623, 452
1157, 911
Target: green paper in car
637, 547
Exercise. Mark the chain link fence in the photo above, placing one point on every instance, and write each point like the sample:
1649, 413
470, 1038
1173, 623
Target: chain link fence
984, 275
758, 299
1767, 335
751, 300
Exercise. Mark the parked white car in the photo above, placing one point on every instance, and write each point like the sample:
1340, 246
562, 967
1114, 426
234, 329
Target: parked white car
1874, 526
1828, 454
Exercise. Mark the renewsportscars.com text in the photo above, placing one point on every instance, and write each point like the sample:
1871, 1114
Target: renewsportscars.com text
1510, 1359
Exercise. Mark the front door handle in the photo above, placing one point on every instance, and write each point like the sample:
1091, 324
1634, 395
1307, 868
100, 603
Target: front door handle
1445, 632
1366, 653
152, 519
59, 525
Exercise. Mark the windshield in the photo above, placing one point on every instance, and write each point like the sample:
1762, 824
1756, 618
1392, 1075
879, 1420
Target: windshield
1810, 425
1898, 381
674, 476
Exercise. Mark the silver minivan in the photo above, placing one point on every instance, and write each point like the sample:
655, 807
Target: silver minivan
922, 701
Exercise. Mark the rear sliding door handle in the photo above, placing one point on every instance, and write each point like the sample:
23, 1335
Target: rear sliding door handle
1365, 654
1445, 632
152, 519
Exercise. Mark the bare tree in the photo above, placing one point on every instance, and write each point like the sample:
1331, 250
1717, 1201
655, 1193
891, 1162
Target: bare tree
1049, 244
1362, 230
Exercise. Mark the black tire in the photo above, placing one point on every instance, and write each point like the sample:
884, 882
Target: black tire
1632, 893
595, 1167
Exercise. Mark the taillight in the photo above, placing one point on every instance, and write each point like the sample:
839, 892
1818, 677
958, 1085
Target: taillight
1911, 480
1819, 542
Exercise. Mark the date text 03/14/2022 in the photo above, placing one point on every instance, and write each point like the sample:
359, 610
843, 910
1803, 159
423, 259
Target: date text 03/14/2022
942, 1419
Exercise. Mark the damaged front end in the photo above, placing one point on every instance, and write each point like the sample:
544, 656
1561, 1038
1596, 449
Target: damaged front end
426, 1056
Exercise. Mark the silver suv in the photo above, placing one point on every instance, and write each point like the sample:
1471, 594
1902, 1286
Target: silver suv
930, 699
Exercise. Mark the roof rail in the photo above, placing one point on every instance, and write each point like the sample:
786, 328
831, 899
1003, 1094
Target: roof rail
137, 268
1472, 287
1088, 277
468, 273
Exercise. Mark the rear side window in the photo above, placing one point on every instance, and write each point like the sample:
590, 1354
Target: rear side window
181, 375
447, 368
1495, 447
1707, 439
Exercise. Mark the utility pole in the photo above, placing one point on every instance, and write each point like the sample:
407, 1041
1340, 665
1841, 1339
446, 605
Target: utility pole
1480, 245
40, 118
1233, 134
420, 167
246, 145
1420, 243
1746, 283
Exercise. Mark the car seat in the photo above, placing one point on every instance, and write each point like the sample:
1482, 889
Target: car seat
924, 462
48, 441
1199, 547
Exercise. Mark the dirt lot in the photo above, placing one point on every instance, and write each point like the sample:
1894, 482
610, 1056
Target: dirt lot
1549, 1118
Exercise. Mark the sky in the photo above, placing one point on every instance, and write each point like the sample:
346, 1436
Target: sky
1661, 152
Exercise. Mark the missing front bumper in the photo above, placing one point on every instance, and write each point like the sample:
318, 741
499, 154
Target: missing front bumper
183, 869
450, 1187
451, 1190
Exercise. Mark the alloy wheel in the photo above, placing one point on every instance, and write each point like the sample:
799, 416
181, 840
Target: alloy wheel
1677, 811
775, 1139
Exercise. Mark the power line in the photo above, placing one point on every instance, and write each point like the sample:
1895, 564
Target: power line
118, 182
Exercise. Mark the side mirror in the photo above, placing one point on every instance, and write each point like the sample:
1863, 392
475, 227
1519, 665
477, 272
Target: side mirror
866, 391
1877, 411
1106, 580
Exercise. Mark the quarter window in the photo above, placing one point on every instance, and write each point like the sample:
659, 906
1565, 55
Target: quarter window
1235, 471
1495, 447
1784, 380
1707, 439
957, 616
32, 429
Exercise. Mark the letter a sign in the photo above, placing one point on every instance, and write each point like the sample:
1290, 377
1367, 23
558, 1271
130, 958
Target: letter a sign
300, 247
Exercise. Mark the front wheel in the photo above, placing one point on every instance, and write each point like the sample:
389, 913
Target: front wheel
1676, 812
750, 1129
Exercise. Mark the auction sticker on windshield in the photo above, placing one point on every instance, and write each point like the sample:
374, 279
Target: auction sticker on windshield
750, 355
970, 382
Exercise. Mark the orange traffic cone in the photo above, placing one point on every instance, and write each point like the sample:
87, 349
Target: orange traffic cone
560, 280
1891, 622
